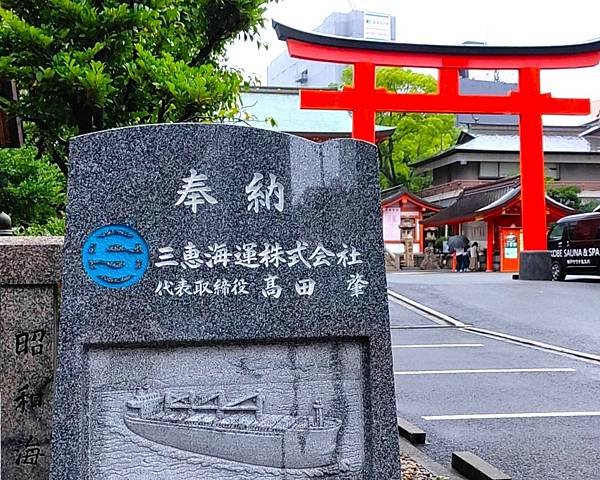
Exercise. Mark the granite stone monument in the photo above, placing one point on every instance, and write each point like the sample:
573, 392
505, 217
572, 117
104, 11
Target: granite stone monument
224, 310
29, 290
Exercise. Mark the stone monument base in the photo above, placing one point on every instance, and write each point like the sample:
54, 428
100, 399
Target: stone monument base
535, 265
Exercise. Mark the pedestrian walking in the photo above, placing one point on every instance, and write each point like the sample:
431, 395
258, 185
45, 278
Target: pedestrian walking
474, 257
466, 259
459, 252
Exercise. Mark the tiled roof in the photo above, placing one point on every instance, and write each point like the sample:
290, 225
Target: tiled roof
393, 191
389, 195
594, 129
510, 143
478, 200
472, 200
568, 143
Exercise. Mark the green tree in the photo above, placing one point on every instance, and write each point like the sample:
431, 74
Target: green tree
32, 190
86, 65
568, 195
589, 206
417, 135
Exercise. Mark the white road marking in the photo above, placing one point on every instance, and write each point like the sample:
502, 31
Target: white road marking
487, 370
533, 343
419, 312
440, 345
424, 327
425, 309
486, 416
439, 317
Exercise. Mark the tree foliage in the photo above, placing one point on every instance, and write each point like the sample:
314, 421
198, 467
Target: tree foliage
589, 206
32, 190
567, 195
417, 135
86, 65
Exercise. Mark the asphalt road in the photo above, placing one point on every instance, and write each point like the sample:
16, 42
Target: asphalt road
566, 314
541, 409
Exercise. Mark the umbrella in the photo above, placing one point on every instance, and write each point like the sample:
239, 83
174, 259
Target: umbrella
457, 241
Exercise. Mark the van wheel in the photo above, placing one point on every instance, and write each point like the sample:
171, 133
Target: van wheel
558, 273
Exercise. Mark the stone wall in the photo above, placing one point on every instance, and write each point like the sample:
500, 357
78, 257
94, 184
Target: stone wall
30, 271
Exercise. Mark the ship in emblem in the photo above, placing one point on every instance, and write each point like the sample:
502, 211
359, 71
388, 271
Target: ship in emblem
240, 430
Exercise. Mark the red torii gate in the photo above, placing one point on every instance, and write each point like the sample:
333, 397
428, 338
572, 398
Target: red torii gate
364, 100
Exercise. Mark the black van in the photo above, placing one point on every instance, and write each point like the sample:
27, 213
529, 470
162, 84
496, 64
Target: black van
574, 244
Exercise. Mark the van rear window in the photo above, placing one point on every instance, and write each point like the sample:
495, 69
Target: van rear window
585, 230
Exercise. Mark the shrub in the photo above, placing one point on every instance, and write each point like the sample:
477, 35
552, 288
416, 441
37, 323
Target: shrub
439, 243
55, 226
32, 190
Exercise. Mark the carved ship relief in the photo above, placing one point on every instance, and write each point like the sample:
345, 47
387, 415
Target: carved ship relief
238, 431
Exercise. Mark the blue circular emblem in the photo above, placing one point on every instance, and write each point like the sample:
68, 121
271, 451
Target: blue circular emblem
115, 256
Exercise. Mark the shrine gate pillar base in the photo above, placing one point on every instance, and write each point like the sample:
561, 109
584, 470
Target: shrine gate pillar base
535, 262
535, 265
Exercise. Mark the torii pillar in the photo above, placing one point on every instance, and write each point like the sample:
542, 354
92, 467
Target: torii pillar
528, 102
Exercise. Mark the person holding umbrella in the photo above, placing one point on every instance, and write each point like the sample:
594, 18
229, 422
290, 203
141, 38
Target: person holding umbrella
458, 244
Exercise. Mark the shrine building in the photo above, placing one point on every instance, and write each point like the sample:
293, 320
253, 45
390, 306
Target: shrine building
403, 213
488, 153
490, 214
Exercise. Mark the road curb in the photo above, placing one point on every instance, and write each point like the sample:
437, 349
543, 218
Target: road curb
435, 468
411, 432
475, 468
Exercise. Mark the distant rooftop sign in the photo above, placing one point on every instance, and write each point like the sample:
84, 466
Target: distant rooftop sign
377, 26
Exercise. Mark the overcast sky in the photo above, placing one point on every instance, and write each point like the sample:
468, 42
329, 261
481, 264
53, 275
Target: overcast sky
496, 22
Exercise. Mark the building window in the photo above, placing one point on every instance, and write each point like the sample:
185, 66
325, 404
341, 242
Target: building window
489, 170
552, 171
508, 169
493, 170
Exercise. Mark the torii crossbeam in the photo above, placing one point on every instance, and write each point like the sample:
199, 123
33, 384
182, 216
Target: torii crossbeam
528, 102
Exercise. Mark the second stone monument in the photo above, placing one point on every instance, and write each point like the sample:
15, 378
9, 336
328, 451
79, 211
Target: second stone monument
224, 309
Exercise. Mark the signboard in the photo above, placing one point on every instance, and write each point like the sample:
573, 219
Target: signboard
377, 26
510, 242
